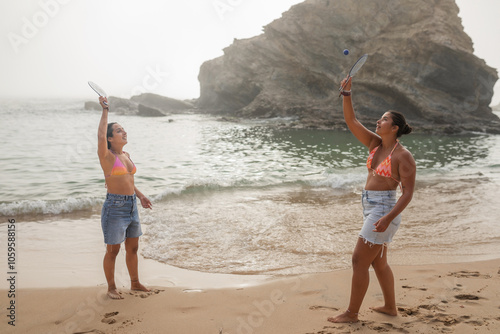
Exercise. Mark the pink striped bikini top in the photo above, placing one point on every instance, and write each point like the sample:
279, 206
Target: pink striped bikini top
384, 168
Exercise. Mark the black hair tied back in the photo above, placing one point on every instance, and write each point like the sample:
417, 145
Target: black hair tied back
406, 129
399, 120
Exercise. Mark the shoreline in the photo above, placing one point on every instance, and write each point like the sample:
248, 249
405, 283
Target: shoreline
438, 298
49, 256
68, 253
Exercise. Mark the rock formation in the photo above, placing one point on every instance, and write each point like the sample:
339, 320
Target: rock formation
420, 62
122, 106
91, 105
147, 104
149, 111
164, 104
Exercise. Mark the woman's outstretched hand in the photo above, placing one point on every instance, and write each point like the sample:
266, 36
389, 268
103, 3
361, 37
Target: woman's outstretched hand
146, 203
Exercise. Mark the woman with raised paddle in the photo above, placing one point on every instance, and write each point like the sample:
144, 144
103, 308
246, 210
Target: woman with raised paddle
119, 217
389, 165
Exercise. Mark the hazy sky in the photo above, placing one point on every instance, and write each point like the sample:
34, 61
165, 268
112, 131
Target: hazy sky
51, 48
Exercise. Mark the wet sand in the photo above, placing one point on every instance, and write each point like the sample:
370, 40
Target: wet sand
445, 298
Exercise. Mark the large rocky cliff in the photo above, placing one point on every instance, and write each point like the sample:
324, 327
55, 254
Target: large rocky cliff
420, 62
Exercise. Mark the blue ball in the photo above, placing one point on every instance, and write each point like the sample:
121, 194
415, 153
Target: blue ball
346, 52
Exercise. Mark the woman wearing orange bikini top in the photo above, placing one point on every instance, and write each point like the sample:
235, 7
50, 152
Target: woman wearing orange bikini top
389, 165
119, 216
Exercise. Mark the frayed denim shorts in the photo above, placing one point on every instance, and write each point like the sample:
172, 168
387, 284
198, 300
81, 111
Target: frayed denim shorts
120, 219
377, 204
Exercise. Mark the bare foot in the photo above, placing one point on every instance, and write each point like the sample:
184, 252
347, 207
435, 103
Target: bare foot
137, 286
385, 310
346, 317
114, 294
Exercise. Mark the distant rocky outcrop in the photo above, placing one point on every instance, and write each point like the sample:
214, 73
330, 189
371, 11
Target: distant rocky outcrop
162, 103
122, 106
91, 105
149, 112
147, 104
420, 62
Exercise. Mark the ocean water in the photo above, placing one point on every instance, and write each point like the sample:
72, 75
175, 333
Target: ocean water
248, 197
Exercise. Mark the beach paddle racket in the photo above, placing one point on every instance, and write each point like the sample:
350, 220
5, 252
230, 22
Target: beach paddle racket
354, 69
98, 90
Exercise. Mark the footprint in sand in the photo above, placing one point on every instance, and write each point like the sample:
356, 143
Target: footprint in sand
468, 274
473, 322
414, 311
430, 307
319, 307
436, 316
408, 311
144, 294
327, 331
387, 327
413, 288
465, 296
108, 318
110, 314
108, 321
312, 292
446, 319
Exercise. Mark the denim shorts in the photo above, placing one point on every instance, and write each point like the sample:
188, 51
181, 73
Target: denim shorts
377, 204
120, 219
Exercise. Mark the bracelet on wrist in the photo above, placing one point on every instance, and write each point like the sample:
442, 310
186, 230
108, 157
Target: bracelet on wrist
346, 92
105, 108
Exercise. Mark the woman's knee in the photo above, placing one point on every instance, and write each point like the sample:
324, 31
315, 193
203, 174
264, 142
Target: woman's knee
132, 249
132, 245
364, 254
380, 263
113, 250
359, 260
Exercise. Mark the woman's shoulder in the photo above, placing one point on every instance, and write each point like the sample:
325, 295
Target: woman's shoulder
375, 142
403, 154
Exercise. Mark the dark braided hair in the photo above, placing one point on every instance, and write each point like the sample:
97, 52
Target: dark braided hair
109, 133
399, 120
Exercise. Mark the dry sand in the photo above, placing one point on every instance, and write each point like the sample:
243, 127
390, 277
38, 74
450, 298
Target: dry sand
444, 298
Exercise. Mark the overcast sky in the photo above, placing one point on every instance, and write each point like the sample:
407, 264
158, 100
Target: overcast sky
51, 48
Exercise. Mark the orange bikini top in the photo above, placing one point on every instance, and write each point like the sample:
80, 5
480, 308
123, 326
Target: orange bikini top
119, 168
384, 168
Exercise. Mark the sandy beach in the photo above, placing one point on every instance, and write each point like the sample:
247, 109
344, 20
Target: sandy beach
438, 298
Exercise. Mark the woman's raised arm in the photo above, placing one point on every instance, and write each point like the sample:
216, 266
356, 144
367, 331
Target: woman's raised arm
366, 137
102, 141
